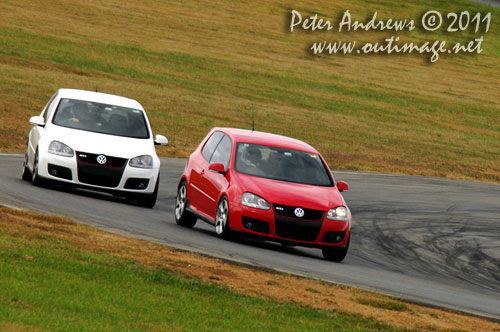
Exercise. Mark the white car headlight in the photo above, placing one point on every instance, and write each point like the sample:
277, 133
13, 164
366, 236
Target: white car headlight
61, 149
144, 161
249, 199
338, 213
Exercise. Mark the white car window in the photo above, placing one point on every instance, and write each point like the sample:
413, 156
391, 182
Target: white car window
101, 118
48, 107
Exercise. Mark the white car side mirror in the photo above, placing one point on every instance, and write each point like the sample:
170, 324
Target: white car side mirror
37, 120
161, 140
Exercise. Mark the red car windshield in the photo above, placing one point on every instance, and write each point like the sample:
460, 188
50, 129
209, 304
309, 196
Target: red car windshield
281, 164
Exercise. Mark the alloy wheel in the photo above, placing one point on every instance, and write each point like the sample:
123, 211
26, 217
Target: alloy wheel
221, 218
180, 202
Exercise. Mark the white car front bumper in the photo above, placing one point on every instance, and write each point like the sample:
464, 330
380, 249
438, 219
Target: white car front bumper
116, 176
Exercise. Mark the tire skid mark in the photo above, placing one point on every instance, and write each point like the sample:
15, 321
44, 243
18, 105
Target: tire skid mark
448, 244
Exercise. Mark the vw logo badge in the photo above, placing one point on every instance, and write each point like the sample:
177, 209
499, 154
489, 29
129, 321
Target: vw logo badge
101, 159
299, 212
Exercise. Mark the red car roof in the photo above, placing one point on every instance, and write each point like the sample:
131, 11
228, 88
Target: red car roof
258, 137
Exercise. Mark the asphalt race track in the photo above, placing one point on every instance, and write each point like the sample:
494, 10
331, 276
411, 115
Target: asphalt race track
428, 240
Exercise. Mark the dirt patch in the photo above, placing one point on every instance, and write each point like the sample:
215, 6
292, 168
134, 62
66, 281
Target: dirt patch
15, 327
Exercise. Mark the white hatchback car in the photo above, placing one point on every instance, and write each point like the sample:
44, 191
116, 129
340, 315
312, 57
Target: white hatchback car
96, 141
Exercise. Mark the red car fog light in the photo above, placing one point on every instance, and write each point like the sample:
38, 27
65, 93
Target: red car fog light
255, 225
333, 237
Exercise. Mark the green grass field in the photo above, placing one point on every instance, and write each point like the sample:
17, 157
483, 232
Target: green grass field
198, 64
51, 281
54, 287
57, 275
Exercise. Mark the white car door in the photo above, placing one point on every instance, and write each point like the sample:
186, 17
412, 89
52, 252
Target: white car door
37, 132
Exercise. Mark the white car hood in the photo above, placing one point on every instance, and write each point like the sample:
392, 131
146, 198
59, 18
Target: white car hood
110, 145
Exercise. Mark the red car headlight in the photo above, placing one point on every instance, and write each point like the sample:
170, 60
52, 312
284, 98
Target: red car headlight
252, 200
338, 213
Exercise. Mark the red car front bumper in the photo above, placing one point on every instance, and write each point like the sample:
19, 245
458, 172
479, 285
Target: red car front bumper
274, 225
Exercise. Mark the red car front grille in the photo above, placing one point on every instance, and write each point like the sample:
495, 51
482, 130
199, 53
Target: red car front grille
296, 228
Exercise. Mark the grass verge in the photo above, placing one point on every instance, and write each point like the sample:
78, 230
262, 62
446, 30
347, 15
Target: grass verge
56, 275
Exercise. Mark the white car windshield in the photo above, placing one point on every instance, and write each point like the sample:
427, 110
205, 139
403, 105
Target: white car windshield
281, 164
101, 118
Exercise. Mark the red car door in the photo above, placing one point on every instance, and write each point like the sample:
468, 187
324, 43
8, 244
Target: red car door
199, 199
214, 183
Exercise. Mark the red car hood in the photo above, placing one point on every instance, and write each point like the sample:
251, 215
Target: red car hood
292, 194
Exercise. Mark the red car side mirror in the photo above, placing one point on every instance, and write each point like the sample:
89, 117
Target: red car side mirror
217, 167
341, 185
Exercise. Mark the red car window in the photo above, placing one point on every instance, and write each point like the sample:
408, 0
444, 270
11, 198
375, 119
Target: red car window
222, 153
281, 164
211, 144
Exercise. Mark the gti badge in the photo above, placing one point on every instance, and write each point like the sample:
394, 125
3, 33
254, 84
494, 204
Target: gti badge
101, 159
299, 212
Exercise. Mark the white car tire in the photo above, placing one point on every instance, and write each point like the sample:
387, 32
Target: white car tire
149, 200
35, 178
26, 175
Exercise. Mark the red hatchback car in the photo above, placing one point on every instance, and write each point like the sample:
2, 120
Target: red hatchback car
272, 186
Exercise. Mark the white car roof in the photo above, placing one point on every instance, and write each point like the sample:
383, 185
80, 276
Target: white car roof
99, 97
